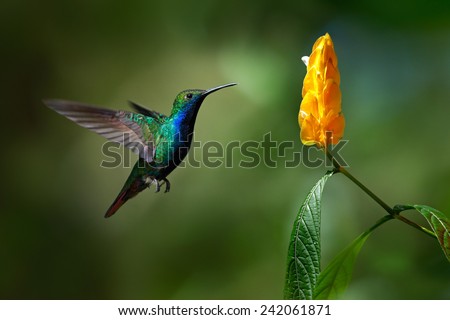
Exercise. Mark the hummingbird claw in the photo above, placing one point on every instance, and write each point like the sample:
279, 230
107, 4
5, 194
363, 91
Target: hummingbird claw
154, 181
158, 187
167, 185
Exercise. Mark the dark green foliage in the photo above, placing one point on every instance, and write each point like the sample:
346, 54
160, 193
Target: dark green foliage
439, 222
303, 264
333, 281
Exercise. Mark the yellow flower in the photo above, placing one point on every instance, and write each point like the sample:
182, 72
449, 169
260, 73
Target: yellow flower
320, 117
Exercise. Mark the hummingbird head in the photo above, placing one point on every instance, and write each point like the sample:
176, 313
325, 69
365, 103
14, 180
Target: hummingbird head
189, 101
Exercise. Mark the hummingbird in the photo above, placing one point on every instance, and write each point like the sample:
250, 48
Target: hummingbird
161, 142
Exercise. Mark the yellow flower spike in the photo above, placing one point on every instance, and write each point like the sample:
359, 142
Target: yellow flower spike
320, 117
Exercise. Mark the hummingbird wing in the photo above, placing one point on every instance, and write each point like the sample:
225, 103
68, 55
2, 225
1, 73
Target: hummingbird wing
134, 131
146, 112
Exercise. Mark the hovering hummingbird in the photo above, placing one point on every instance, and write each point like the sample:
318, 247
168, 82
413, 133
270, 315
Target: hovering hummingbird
161, 141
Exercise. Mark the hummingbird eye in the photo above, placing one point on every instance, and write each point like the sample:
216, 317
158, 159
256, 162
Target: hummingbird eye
188, 96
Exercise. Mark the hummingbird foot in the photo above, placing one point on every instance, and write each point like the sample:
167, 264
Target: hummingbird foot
152, 181
158, 187
167, 185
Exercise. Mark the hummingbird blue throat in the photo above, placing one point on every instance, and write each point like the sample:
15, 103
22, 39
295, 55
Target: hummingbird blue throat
161, 141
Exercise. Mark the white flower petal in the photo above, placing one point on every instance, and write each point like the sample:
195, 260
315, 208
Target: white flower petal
305, 60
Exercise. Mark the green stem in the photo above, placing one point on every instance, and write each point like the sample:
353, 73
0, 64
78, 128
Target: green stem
391, 211
366, 190
380, 222
415, 225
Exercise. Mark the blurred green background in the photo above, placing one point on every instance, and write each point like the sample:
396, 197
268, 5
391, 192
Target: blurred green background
220, 233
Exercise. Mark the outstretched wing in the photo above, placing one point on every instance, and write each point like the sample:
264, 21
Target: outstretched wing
133, 130
146, 112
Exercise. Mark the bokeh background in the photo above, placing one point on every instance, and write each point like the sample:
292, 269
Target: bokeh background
220, 233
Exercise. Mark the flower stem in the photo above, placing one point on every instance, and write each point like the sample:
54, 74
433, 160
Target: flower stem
395, 214
366, 190
415, 225
380, 222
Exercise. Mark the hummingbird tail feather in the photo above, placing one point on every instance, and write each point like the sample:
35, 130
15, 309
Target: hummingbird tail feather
120, 200
130, 189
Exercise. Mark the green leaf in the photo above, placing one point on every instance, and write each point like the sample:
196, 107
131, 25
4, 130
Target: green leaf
439, 222
303, 263
333, 281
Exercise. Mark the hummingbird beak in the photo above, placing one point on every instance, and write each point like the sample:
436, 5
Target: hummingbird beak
207, 92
